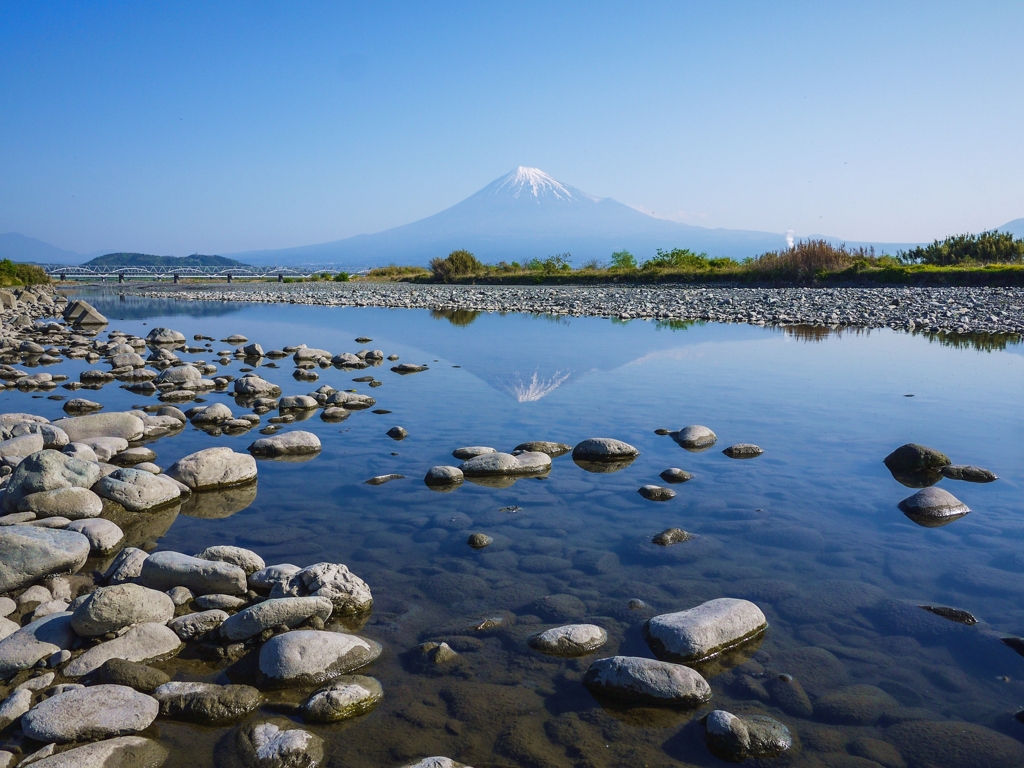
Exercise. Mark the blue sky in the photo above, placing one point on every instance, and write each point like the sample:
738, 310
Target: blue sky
179, 127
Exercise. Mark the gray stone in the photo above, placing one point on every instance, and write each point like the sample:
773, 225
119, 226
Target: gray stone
348, 593
105, 448
217, 413
193, 625
398, 433
245, 559
122, 752
598, 449
298, 403
123, 672
737, 739
165, 336
671, 536
206, 703
933, 506
98, 712
254, 386
142, 643
647, 681
32, 553
676, 475
743, 451
705, 631
278, 744
289, 611
137, 490
345, 697
543, 446
969, 473
497, 464
253, 350
79, 405
695, 436
436, 762
471, 451
479, 540
103, 535
21, 446
211, 468
80, 451
7, 606
309, 657
163, 570
35, 684
14, 706
34, 642
956, 744
915, 458
48, 470
286, 444
110, 609
266, 578
570, 640
443, 476
125, 425
81, 312
656, 493
72, 503
126, 565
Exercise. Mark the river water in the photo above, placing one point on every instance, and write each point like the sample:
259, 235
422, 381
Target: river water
810, 530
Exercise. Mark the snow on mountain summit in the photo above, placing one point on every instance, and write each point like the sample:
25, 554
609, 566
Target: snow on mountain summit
531, 182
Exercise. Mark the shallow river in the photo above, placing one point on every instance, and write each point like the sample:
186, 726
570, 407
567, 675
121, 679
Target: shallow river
810, 530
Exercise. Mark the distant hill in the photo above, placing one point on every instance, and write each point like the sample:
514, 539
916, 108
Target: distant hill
115, 260
1015, 228
18, 247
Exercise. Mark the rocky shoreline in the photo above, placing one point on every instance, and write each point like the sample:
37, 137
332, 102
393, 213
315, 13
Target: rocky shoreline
963, 310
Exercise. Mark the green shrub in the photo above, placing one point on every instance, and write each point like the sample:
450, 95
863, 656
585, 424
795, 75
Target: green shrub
623, 260
393, 270
986, 248
677, 258
341, 277
13, 273
457, 264
552, 264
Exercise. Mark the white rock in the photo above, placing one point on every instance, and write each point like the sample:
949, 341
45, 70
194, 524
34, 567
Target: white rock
647, 680
110, 609
308, 657
245, 559
211, 468
142, 643
124, 425
34, 642
290, 611
103, 535
164, 570
570, 640
705, 631
347, 592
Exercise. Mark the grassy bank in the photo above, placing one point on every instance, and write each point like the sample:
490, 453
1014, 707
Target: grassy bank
14, 274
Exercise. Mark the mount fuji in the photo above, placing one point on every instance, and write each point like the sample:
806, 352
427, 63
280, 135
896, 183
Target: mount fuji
520, 216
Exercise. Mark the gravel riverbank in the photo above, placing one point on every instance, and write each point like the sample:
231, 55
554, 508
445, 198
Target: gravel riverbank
955, 310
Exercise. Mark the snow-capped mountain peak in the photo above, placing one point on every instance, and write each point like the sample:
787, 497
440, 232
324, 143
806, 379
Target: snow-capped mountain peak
532, 182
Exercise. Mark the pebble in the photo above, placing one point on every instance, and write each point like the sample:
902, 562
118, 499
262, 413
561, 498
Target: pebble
705, 631
398, 433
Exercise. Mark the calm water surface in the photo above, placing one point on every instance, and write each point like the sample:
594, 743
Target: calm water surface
810, 531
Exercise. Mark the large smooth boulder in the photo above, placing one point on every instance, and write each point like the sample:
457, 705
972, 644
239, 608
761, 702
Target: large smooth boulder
165, 336
21, 446
346, 697
142, 643
97, 712
31, 553
497, 464
72, 503
114, 424
444, 475
289, 611
212, 468
192, 625
110, 609
255, 386
180, 377
704, 631
104, 535
348, 593
122, 752
647, 681
309, 657
604, 449
695, 437
211, 415
245, 559
48, 470
36, 641
165, 570
137, 490
296, 443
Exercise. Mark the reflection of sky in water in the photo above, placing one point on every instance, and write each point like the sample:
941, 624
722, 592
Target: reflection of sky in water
810, 530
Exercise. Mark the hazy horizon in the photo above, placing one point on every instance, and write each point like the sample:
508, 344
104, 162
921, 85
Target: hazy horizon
228, 128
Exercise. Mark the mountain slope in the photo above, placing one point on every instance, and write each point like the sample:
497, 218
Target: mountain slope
522, 215
114, 260
1015, 228
17, 247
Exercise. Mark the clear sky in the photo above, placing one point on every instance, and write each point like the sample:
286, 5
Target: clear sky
176, 127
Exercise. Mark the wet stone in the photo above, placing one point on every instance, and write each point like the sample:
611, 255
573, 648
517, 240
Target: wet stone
647, 681
97, 712
953, 614
695, 436
705, 631
676, 475
278, 744
969, 473
121, 672
206, 703
345, 697
543, 446
913, 457
933, 507
599, 449
671, 536
656, 493
570, 640
738, 738
743, 451
479, 540
398, 433
308, 657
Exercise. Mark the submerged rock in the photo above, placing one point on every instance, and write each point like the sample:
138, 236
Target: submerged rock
968, 473
955, 744
345, 697
278, 744
933, 507
647, 681
570, 640
656, 493
738, 738
206, 703
854, 705
953, 614
671, 536
479, 540
705, 631
743, 451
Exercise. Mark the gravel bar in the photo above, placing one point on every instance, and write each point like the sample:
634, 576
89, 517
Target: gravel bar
950, 310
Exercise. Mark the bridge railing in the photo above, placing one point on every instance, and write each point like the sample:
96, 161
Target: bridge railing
122, 274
